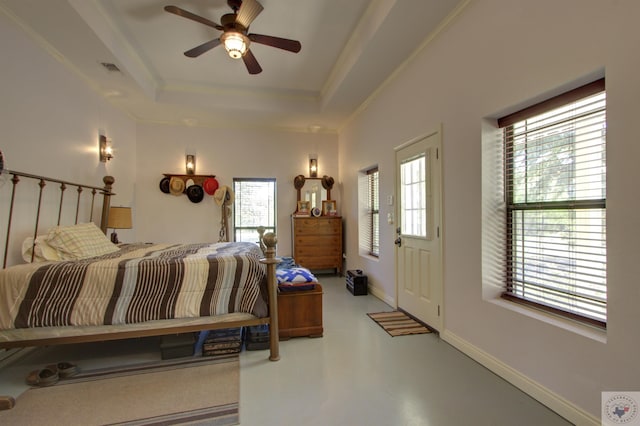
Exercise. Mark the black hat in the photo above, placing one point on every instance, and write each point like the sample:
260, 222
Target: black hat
195, 193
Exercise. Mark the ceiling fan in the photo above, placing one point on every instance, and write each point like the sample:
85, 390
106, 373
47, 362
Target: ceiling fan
234, 35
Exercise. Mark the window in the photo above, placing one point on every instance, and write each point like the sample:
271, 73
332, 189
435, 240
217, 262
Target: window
370, 213
255, 205
555, 184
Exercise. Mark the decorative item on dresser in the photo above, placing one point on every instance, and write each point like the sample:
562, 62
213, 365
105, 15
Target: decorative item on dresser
317, 242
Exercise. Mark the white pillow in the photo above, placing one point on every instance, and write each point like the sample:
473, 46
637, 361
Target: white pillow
80, 241
43, 250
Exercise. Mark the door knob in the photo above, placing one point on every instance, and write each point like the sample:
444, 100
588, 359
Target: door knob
398, 242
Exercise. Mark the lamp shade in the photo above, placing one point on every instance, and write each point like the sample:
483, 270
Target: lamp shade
119, 218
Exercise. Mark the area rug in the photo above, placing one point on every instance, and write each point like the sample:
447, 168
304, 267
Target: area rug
398, 323
195, 390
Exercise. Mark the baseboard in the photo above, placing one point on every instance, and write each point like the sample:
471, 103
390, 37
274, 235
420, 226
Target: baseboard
382, 296
555, 402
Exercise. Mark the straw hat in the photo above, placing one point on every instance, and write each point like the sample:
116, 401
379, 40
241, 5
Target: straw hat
224, 194
176, 185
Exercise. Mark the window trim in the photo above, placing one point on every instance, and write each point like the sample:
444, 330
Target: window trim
505, 122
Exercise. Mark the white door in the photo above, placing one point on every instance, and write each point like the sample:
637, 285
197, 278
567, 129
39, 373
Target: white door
418, 245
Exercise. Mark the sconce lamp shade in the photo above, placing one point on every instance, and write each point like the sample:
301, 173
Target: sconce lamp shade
313, 167
105, 149
119, 218
190, 164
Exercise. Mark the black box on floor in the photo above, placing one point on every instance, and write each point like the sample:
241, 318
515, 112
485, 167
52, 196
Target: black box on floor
356, 282
177, 345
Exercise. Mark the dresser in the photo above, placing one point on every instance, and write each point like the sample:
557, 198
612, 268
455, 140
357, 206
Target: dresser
317, 242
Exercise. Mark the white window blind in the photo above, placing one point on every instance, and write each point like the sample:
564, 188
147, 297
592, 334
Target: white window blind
555, 182
255, 205
373, 207
368, 212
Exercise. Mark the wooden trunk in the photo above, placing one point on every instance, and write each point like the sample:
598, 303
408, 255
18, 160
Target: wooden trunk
300, 313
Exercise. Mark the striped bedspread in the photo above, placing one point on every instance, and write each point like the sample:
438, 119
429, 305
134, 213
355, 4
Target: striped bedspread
138, 283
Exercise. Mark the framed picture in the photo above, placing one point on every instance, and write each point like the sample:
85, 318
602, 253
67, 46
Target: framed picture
304, 208
329, 208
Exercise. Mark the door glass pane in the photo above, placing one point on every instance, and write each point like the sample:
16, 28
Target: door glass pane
413, 192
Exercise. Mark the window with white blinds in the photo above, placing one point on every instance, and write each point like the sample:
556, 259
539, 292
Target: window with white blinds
368, 212
555, 183
254, 206
373, 208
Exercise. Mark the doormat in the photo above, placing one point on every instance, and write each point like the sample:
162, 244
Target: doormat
398, 323
202, 390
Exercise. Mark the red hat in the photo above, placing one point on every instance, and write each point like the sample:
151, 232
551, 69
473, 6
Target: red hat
210, 185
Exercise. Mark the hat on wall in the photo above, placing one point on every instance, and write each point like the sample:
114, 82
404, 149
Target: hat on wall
327, 182
176, 186
224, 194
195, 193
164, 185
298, 182
210, 185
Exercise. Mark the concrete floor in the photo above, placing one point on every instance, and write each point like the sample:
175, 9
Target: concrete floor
356, 374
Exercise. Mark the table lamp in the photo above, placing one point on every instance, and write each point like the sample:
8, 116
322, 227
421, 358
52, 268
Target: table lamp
119, 218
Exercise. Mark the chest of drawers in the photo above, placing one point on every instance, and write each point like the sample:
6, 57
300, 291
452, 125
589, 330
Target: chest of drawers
317, 242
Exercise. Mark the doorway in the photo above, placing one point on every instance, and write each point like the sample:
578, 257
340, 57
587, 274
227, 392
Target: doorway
419, 284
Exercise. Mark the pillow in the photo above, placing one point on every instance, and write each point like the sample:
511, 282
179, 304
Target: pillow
43, 250
295, 275
80, 241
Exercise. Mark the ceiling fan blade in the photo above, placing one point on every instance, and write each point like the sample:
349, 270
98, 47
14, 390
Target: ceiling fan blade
251, 63
249, 10
280, 43
204, 47
186, 14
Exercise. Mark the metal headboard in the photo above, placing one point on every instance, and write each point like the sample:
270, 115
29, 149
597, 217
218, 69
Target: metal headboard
80, 188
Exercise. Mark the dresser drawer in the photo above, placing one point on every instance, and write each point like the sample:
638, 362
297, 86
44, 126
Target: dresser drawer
315, 250
319, 262
318, 241
319, 225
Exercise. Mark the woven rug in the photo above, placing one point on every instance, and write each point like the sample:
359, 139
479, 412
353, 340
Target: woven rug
398, 323
194, 390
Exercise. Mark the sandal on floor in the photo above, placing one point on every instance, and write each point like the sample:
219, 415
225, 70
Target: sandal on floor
66, 369
7, 402
44, 377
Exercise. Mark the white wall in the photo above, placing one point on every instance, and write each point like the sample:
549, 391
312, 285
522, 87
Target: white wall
50, 121
497, 55
226, 153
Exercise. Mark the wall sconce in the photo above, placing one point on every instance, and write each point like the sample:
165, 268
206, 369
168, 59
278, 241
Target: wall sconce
105, 149
313, 167
119, 218
190, 164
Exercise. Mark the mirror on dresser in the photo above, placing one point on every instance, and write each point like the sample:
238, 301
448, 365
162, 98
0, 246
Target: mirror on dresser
316, 238
313, 190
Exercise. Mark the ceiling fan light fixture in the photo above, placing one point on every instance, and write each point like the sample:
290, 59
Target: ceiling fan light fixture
235, 43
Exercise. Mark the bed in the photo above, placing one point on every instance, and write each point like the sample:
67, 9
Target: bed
95, 292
